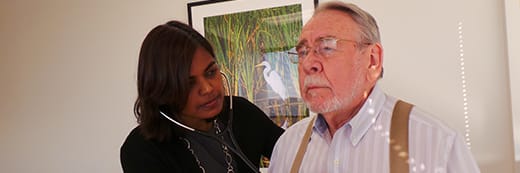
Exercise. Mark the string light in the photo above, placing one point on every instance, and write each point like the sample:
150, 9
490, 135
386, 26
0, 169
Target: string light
463, 85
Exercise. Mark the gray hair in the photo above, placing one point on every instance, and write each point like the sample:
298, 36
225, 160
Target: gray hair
367, 24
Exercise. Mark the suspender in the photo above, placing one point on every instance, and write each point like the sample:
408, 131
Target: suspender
303, 146
399, 137
398, 140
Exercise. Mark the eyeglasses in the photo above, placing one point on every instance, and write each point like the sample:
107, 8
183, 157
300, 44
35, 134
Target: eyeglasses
324, 47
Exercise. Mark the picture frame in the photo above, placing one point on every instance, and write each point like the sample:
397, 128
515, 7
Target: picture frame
251, 41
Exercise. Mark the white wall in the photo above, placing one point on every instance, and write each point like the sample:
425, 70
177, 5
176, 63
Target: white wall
67, 75
67, 72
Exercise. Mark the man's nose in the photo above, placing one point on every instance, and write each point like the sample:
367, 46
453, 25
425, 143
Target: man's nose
312, 63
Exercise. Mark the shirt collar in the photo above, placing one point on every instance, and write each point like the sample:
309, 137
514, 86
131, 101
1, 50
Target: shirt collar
363, 120
367, 115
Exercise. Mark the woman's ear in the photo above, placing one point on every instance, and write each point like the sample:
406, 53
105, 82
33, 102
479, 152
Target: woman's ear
375, 65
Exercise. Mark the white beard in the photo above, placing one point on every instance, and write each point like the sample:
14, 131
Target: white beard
336, 103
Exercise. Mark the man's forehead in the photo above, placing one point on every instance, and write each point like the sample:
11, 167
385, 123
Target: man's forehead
330, 21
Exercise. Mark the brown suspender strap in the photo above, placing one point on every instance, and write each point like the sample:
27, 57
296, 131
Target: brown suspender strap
399, 153
303, 146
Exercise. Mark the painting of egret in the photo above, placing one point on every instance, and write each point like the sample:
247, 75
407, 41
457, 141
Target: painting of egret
252, 47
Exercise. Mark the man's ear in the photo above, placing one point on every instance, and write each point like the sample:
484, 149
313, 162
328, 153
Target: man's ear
375, 65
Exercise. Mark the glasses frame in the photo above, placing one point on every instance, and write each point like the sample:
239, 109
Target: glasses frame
295, 57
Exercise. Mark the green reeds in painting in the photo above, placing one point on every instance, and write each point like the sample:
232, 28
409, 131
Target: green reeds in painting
244, 40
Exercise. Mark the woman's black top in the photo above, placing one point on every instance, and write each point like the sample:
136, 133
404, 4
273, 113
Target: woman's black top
254, 132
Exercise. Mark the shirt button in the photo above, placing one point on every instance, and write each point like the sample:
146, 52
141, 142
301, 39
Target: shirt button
336, 162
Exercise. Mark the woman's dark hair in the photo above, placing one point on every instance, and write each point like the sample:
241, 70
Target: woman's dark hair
163, 75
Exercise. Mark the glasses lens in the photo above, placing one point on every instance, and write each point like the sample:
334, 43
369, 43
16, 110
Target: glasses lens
302, 51
327, 46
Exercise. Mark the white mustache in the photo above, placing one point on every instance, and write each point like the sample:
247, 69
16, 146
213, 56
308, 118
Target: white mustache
314, 81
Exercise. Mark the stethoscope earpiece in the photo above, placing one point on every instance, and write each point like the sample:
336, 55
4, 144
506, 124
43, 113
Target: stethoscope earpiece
229, 90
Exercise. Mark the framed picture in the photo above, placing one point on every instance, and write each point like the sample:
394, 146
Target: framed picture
251, 41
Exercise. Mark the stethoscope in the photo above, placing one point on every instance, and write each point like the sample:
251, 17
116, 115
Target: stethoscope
234, 147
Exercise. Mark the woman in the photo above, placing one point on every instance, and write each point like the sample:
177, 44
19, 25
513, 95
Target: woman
183, 114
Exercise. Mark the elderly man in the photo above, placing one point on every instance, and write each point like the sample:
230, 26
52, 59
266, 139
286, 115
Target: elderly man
357, 129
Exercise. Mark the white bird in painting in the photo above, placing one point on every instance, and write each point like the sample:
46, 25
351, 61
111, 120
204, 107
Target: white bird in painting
274, 80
